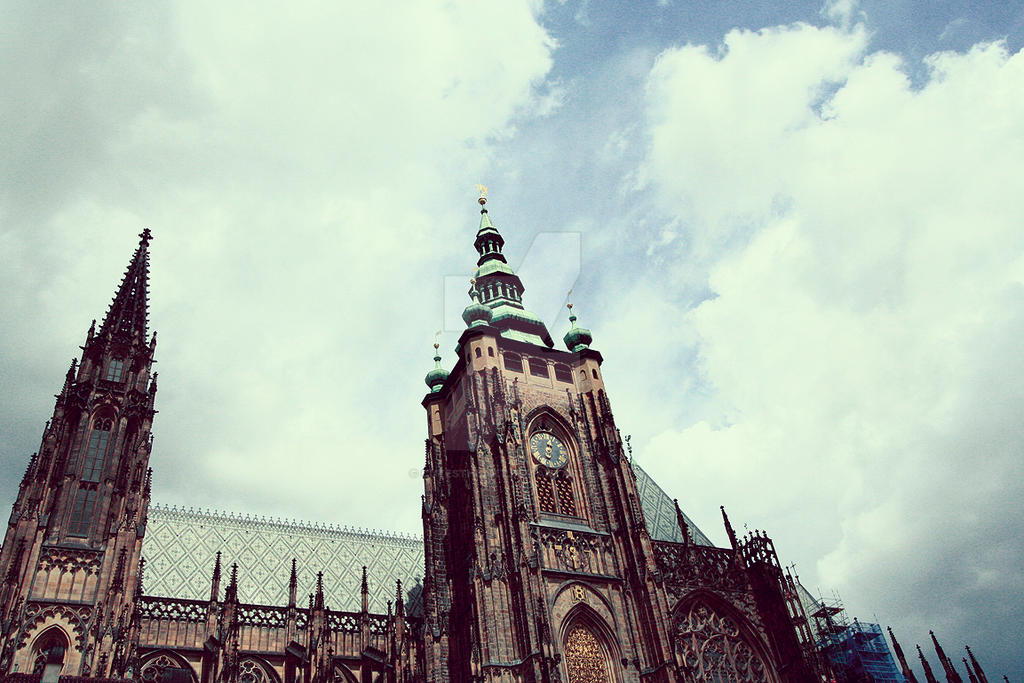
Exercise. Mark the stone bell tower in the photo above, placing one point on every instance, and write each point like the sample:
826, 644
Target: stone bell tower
70, 561
538, 562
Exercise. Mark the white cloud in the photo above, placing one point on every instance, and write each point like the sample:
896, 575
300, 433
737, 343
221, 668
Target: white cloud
862, 344
296, 167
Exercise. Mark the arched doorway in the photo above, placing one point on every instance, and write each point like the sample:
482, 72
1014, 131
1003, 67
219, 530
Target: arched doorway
715, 645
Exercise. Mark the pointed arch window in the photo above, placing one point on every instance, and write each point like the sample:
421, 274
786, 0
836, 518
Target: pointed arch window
712, 647
250, 671
99, 438
551, 449
51, 649
585, 658
152, 670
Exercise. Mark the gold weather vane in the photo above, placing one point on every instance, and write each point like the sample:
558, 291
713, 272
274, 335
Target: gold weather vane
482, 189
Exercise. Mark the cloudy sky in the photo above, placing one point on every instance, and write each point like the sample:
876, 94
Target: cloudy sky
797, 229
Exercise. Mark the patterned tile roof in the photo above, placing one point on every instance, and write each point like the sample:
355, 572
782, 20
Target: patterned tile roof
660, 512
180, 546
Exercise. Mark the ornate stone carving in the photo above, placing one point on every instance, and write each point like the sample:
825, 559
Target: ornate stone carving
575, 551
712, 647
172, 609
68, 560
685, 567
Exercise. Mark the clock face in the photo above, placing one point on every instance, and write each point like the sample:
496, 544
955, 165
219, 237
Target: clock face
548, 450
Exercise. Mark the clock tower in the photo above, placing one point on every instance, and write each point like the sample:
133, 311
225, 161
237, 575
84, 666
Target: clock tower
539, 565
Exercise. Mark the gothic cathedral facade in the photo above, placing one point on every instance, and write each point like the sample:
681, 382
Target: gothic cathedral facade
539, 564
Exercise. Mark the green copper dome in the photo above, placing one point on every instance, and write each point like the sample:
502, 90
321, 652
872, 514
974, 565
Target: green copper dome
577, 338
436, 378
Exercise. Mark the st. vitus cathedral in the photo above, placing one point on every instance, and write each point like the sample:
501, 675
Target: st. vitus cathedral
546, 556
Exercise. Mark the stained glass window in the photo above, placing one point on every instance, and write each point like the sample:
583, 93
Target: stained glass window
584, 657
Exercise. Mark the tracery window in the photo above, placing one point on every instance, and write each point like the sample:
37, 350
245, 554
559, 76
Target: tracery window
712, 648
584, 657
250, 671
99, 438
152, 669
54, 642
538, 368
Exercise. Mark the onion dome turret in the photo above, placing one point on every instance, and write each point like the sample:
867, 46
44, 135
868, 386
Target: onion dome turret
577, 338
436, 378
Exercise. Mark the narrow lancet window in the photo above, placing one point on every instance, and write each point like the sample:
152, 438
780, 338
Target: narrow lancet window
81, 512
115, 370
99, 438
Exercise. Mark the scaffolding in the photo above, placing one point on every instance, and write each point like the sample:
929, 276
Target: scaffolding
851, 652
859, 652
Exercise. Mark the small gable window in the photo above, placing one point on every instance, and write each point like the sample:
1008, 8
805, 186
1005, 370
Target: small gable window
538, 368
478, 352
513, 362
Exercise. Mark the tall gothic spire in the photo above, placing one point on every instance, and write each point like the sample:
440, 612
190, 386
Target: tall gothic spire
907, 671
127, 315
728, 528
951, 673
928, 675
500, 289
977, 667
